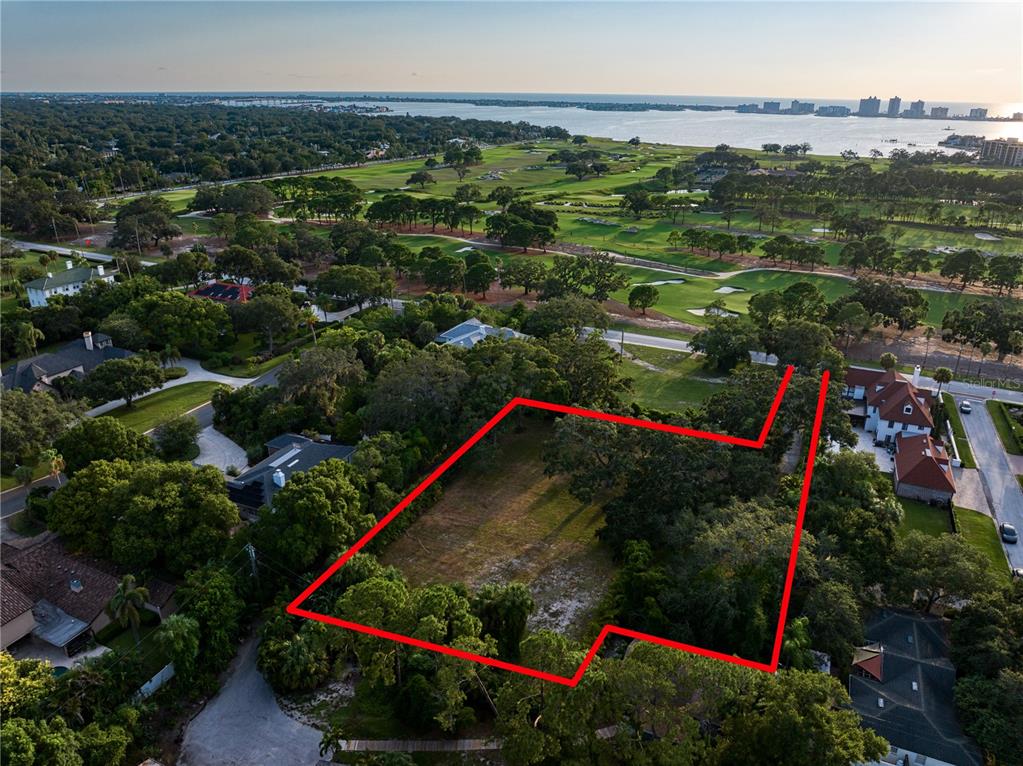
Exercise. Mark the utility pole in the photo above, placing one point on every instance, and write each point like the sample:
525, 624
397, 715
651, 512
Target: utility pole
251, 550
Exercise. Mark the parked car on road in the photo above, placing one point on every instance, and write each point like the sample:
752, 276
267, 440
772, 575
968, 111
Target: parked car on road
965, 407
1008, 533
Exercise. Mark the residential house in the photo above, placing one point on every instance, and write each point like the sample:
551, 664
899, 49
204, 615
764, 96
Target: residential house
902, 685
61, 598
79, 357
472, 331
67, 282
289, 453
923, 469
892, 403
224, 292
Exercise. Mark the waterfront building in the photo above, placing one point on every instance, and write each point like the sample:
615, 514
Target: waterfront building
1003, 151
833, 111
916, 109
772, 107
800, 107
978, 113
940, 112
894, 105
869, 107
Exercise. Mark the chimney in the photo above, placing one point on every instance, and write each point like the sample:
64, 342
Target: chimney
49, 274
278, 477
99, 269
68, 265
88, 340
76, 585
916, 376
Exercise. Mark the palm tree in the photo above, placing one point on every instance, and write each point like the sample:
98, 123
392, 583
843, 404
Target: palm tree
928, 334
26, 338
309, 319
126, 605
56, 461
943, 375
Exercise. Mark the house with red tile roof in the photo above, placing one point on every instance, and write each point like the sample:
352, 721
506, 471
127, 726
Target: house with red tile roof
892, 403
923, 469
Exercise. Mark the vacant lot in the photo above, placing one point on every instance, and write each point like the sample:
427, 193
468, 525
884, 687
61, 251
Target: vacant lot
502, 520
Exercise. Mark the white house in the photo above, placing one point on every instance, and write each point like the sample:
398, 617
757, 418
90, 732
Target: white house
892, 403
67, 282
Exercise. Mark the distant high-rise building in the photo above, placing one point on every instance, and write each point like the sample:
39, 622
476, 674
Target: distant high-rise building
939, 111
1017, 116
916, 109
1003, 151
833, 111
747, 108
772, 107
894, 105
869, 107
978, 114
800, 107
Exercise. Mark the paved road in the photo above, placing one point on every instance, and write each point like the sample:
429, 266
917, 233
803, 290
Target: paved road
614, 339
70, 251
1004, 490
244, 726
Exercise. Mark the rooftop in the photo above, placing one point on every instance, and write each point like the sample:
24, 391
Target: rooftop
66, 277
923, 462
472, 331
28, 372
906, 693
289, 454
224, 291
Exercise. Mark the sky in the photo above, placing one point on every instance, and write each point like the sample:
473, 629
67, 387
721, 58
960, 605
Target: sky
959, 52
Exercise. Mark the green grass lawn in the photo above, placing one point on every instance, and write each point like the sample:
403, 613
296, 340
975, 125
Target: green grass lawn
652, 331
150, 655
9, 482
962, 443
150, 411
980, 531
682, 383
1009, 431
923, 518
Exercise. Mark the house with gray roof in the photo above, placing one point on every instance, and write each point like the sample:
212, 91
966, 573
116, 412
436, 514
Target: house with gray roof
289, 454
472, 331
902, 686
79, 357
70, 281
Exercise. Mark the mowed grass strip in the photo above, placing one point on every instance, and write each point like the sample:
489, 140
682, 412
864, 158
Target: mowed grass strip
924, 518
980, 532
958, 431
502, 520
150, 411
679, 382
1009, 431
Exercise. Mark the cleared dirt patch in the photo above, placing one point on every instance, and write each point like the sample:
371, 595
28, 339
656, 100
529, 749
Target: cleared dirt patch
502, 520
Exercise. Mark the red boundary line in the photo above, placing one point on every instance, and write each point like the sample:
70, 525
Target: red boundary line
295, 607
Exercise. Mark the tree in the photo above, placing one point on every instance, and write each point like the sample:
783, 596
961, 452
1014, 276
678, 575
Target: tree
178, 638
30, 423
176, 438
147, 514
991, 709
835, 624
727, 342
271, 313
796, 643
503, 610
320, 377
174, 319
421, 178
352, 284
123, 379
422, 391
799, 718
589, 367
479, 277
888, 361
642, 297
940, 569
210, 597
1005, 272
968, 265
527, 273
637, 201
942, 376
571, 312
101, 438
141, 220
126, 604
26, 338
